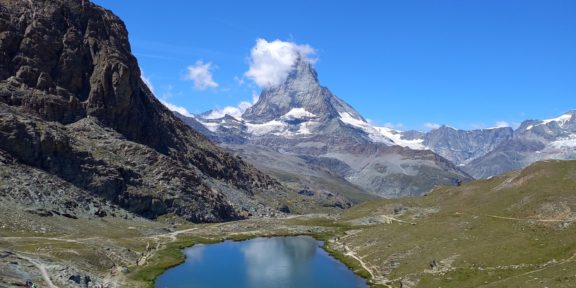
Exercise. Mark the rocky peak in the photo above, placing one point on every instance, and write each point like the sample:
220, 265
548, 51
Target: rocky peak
300, 90
73, 105
549, 129
303, 75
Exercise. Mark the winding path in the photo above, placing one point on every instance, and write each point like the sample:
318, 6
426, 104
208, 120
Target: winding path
42, 269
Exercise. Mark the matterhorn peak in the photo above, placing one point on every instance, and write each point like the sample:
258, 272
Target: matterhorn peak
300, 90
302, 71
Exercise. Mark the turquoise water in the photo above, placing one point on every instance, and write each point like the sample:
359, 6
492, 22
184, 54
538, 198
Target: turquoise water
279, 262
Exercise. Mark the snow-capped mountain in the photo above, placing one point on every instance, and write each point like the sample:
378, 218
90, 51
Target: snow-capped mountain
304, 118
300, 118
488, 152
301, 107
533, 141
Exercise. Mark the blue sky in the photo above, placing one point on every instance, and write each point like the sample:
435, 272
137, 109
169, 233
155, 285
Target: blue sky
467, 64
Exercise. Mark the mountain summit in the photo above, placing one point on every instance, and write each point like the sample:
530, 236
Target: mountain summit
300, 95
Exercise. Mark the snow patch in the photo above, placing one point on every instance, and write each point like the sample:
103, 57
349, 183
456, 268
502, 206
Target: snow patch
266, 128
349, 119
210, 126
568, 142
298, 113
382, 134
562, 120
396, 136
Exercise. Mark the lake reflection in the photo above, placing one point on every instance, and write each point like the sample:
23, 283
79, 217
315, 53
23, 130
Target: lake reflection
280, 262
270, 261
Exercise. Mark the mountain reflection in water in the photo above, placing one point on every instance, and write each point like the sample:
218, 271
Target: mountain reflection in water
274, 260
279, 262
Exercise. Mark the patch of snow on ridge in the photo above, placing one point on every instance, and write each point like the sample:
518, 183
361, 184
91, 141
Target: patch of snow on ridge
349, 119
560, 120
298, 113
568, 142
374, 133
210, 126
382, 134
304, 128
273, 126
396, 136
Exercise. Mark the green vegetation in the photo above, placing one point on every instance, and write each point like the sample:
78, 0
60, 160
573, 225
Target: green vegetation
487, 231
171, 255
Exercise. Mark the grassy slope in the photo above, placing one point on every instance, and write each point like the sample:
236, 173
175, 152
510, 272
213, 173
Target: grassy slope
467, 232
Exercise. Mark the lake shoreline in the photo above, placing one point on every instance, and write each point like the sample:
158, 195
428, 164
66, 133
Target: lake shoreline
149, 273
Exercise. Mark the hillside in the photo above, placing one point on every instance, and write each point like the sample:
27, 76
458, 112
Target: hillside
515, 230
72, 105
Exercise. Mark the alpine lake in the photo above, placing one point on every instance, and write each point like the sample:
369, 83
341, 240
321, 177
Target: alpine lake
278, 262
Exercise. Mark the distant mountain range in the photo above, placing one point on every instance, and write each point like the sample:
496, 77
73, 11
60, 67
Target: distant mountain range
302, 119
489, 152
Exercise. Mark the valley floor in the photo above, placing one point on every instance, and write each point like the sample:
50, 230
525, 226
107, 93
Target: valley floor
516, 230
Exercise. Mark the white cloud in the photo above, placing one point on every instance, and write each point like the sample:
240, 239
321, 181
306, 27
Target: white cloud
201, 74
432, 125
147, 81
396, 126
271, 62
164, 97
513, 125
234, 111
177, 108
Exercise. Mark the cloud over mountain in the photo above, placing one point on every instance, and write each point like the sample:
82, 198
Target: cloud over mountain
270, 62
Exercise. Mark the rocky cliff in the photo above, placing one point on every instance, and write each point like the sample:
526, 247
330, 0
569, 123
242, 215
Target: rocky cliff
72, 104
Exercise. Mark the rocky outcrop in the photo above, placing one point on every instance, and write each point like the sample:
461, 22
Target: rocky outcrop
73, 105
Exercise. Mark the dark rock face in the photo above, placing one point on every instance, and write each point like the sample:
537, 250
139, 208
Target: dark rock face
72, 104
